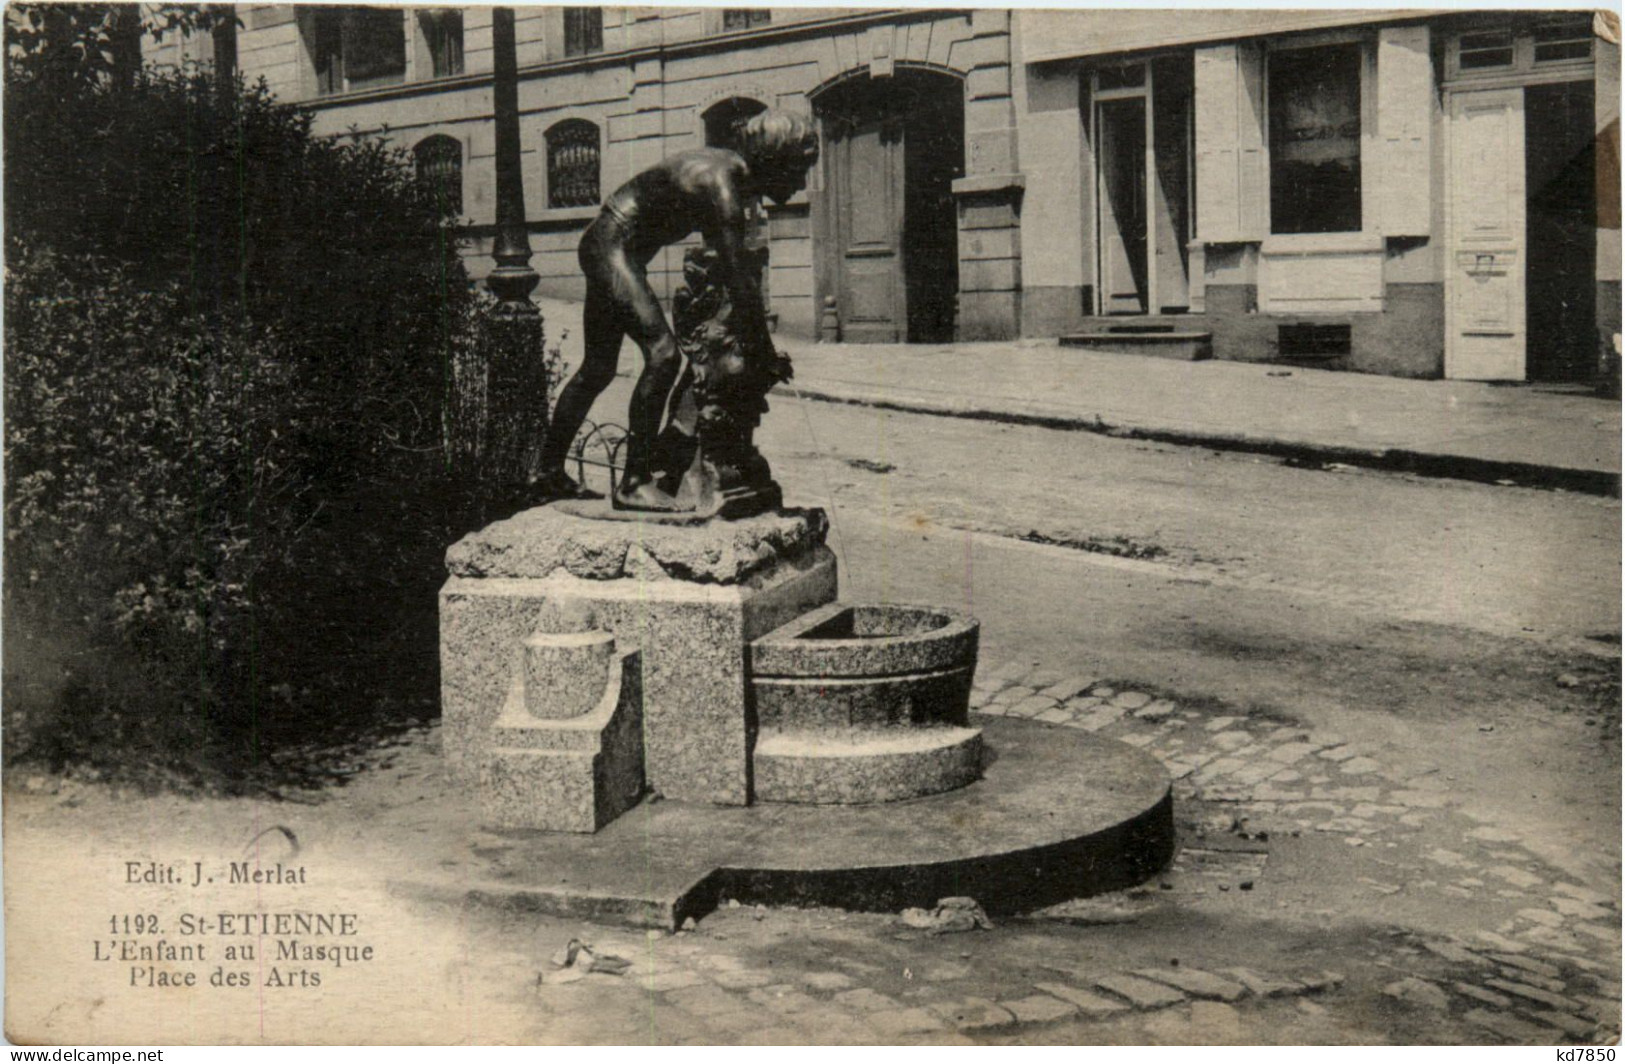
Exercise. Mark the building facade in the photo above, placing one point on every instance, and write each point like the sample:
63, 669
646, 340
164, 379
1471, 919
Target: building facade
909, 222
1394, 192
1391, 192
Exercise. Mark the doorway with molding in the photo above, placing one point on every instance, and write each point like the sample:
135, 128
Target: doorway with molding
1144, 210
889, 229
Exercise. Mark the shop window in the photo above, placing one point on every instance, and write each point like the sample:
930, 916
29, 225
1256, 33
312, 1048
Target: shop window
443, 36
572, 164
743, 18
583, 30
1314, 140
440, 166
357, 47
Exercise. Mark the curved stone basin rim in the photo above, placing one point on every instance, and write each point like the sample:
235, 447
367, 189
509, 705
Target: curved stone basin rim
867, 639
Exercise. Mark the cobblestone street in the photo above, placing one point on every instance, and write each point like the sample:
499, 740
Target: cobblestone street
1394, 826
1318, 896
1344, 860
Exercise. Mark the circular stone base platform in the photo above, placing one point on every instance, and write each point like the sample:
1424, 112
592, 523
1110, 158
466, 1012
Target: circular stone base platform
1058, 814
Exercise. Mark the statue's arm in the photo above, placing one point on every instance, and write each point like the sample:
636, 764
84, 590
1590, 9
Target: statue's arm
744, 286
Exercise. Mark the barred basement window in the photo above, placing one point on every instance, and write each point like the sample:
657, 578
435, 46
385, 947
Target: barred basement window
743, 18
1313, 341
583, 30
443, 34
572, 164
440, 166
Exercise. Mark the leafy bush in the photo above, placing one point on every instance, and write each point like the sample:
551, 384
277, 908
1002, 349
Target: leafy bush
150, 473
227, 349
228, 195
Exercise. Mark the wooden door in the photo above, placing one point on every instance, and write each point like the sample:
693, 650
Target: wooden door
867, 179
1122, 198
1485, 246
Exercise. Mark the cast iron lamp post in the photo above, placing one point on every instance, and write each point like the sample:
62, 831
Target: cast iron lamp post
516, 373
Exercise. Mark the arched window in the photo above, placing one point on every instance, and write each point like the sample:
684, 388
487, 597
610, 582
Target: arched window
572, 164
724, 119
440, 166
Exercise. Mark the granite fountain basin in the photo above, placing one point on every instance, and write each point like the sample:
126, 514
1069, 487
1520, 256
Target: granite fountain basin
859, 703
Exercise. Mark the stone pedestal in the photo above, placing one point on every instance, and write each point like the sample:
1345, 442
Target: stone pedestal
690, 596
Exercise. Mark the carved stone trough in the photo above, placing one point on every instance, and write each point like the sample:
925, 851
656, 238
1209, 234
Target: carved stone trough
864, 703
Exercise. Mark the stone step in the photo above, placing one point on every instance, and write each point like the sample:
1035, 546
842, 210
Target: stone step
864, 704
854, 768
1182, 345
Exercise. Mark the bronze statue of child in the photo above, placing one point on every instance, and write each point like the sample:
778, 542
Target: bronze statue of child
706, 189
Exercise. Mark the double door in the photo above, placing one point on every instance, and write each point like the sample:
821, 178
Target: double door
892, 149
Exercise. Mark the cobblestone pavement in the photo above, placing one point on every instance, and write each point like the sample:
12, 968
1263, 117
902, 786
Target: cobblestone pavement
1316, 897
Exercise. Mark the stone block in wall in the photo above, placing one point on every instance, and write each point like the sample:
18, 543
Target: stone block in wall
988, 82
990, 275
788, 224
916, 42
264, 16
1051, 310
849, 52
791, 254
640, 126
1337, 273
1406, 339
1004, 243
945, 33
990, 151
990, 21
987, 316
987, 214
792, 281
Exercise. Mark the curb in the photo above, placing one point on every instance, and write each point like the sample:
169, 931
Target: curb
1300, 452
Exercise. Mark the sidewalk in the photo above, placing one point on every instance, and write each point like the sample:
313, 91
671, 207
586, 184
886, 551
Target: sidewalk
1460, 429
1443, 428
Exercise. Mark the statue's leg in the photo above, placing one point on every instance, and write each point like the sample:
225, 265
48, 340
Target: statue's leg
602, 333
661, 361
